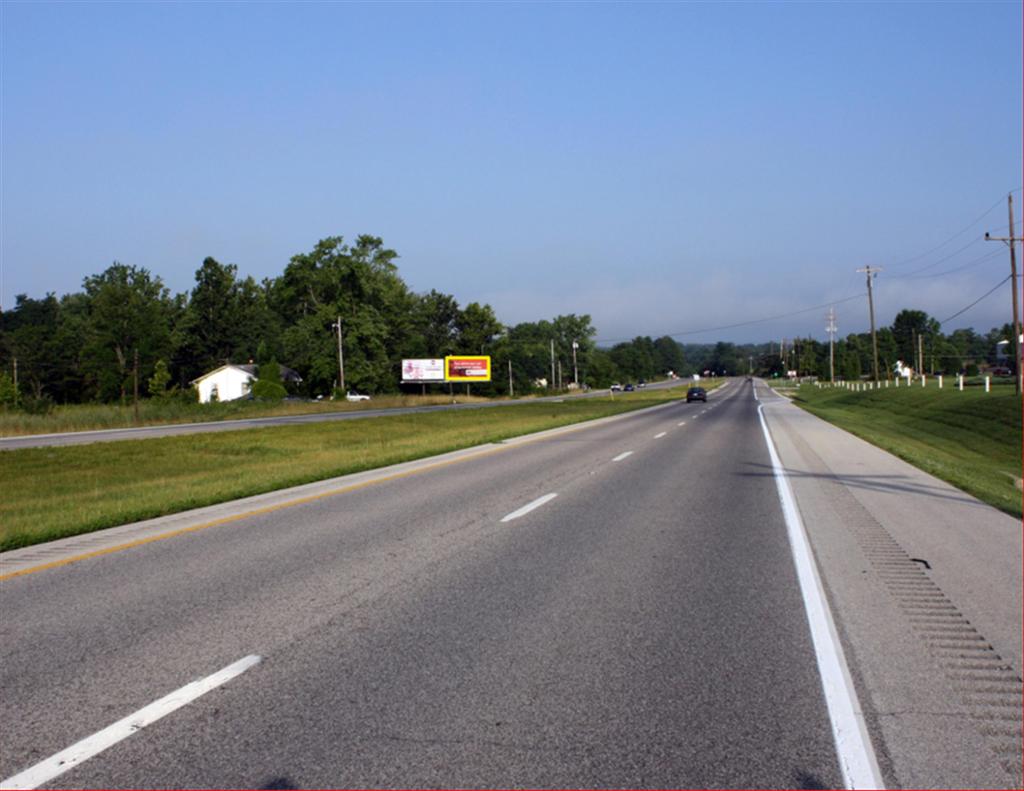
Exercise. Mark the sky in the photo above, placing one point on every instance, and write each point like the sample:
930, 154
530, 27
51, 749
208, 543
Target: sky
666, 168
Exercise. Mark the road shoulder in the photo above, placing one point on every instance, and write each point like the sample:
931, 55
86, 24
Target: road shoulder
925, 586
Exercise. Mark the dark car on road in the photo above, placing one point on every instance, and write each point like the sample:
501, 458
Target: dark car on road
629, 388
697, 394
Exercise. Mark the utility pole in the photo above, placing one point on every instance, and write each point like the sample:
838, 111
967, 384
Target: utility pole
831, 329
871, 272
559, 374
341, 358
15, 381
135, 376
552, 385
575, 370
511, 392
1011, 242
920, 353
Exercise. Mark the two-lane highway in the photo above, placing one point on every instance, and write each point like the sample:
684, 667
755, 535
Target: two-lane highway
615, 606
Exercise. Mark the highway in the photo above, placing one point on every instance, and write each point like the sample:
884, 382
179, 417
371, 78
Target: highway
734, 594
615, 606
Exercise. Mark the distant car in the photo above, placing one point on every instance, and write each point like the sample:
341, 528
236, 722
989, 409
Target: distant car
697, 394
615, 388
642, 383
357, 397
629, 388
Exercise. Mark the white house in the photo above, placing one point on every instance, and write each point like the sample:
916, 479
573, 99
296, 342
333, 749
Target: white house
233, 381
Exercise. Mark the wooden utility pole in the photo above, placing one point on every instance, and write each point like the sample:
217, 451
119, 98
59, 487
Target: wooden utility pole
341, 358
1011, 242
135, 388
870, 272
552, 386
511, 391
831, 328
15, 381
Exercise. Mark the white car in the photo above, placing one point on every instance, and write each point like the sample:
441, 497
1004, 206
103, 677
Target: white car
357, 397
616, 388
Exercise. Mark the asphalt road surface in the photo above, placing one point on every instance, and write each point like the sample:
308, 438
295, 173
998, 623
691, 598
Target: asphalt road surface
175, 429
643, 627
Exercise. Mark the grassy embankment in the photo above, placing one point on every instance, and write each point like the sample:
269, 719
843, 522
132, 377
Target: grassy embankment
972, 439
50, 493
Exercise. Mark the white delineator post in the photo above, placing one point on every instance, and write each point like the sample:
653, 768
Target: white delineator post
961, 384
987, 383
923, 377
940, 381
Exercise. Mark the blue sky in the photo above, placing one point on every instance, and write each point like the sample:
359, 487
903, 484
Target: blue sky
664, 167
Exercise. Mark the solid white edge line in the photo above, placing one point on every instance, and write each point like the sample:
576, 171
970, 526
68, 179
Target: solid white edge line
853, 744
82, 751
530, 506
621, 456
659, 436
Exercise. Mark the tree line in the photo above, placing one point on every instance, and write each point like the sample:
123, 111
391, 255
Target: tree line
125, 326
914, 339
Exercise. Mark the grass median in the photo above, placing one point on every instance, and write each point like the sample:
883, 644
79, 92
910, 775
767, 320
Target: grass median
169, 411
51, 493
969, 438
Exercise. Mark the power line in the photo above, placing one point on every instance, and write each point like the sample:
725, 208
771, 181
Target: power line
742, 323
919, 256
968, 265
944, 258
979, 299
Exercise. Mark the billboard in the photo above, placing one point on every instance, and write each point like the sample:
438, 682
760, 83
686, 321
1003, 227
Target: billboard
467, 369
423, 371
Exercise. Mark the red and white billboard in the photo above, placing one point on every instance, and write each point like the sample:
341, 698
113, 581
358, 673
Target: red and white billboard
423, 371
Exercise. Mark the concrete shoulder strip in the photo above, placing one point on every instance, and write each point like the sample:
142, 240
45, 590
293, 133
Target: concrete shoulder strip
856, 755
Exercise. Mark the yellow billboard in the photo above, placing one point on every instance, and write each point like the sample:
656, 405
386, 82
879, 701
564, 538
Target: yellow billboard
467, 369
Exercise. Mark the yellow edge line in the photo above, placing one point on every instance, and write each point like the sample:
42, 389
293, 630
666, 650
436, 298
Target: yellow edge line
279, 506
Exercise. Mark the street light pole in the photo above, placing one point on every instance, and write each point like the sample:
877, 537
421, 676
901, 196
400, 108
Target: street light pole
575, 370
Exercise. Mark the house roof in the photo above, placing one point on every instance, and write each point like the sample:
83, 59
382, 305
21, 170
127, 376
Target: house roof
287, 374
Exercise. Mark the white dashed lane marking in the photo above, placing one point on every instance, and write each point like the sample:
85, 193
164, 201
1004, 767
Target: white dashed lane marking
530, 506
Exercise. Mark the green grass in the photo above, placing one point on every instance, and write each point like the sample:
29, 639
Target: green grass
55, 492
154, 412
972, 439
